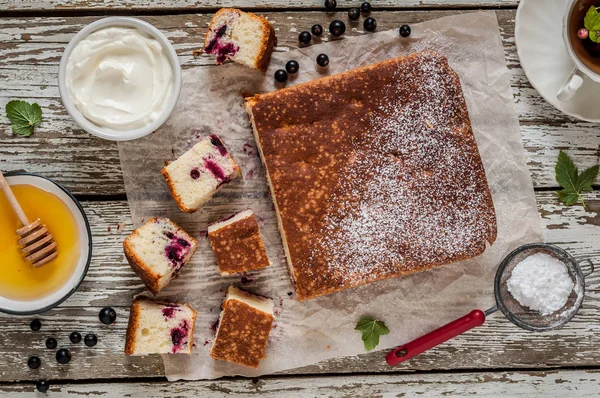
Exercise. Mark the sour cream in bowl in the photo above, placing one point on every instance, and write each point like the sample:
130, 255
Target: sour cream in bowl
119, 78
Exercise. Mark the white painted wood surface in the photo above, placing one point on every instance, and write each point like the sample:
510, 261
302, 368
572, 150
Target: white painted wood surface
144, 5
110, 281
566, 383
31, 50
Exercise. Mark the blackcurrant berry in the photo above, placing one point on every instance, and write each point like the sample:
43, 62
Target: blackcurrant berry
75, 337
404, 30
63, 356
281, 75
35, 325
90, 340
292, 66
42, 386
370, 24
354, 14
304, 37
317, 30
322, 60
107, 315
34, 362
337, 28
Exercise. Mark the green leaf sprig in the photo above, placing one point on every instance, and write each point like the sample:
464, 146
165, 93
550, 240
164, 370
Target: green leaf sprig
574, 184
23, 116
371, 329
592, 23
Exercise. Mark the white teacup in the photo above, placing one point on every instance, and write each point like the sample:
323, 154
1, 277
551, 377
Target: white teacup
575, 79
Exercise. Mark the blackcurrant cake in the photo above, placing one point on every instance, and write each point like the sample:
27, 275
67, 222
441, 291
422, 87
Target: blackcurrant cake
197, 174
157, 251
157, 327
240, 36
374, 173
237, 243
244, 327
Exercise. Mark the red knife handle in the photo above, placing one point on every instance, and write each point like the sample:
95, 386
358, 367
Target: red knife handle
400, 354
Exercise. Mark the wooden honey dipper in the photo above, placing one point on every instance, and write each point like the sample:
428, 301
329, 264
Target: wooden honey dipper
37, 243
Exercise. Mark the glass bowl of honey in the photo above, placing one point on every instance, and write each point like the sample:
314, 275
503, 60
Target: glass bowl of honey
24, 289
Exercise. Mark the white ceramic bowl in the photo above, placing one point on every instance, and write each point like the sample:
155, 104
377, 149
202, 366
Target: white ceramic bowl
85, 238
107, 133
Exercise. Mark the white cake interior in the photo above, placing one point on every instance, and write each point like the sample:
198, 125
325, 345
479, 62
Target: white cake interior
153, 335
194, 192
237, 217
149, 243
262, 304
245, 32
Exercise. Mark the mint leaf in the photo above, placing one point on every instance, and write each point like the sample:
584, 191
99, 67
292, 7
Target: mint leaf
567, 175
591, 18
23, 116
371, 329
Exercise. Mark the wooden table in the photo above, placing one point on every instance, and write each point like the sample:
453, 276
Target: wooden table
495, 359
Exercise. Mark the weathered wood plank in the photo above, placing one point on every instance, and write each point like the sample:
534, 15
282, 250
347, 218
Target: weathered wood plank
144, 5
497, 344
31, 50
580, 383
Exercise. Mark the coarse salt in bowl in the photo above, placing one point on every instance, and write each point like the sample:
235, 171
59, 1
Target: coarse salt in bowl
103, 131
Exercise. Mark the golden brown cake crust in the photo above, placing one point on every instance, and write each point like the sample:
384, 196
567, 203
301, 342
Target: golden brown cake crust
132, 326
375, 173
238, 247
242, 335
174, 192
149, 277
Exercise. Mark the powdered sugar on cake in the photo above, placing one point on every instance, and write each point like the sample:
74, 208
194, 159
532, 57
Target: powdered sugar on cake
421, 198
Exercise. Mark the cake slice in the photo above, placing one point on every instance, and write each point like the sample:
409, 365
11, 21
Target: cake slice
157, 251
157, 327
197, 174
237, 244
375, 173
240, 36
244, 327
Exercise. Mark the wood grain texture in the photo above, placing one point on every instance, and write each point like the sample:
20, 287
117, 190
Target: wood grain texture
144, 5
31, 51
110, 281
569, 383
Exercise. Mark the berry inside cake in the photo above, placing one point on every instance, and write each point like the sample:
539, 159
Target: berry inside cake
237, 243
197, 174
244, 327
160, 328
157, 251
240, 36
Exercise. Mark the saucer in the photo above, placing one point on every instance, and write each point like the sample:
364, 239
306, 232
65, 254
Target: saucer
42, 304
544, 57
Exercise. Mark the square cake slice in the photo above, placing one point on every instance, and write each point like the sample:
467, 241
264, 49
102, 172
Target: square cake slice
237, 244
374, 172
244, 328
197, 174
157, 327
157, 251
240, 36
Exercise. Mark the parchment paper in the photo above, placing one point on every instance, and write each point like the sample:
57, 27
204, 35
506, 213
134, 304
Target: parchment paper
315, 330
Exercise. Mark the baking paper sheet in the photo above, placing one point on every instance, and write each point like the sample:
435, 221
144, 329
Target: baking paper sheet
322, 328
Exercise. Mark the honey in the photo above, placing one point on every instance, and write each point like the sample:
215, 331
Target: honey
18, 279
